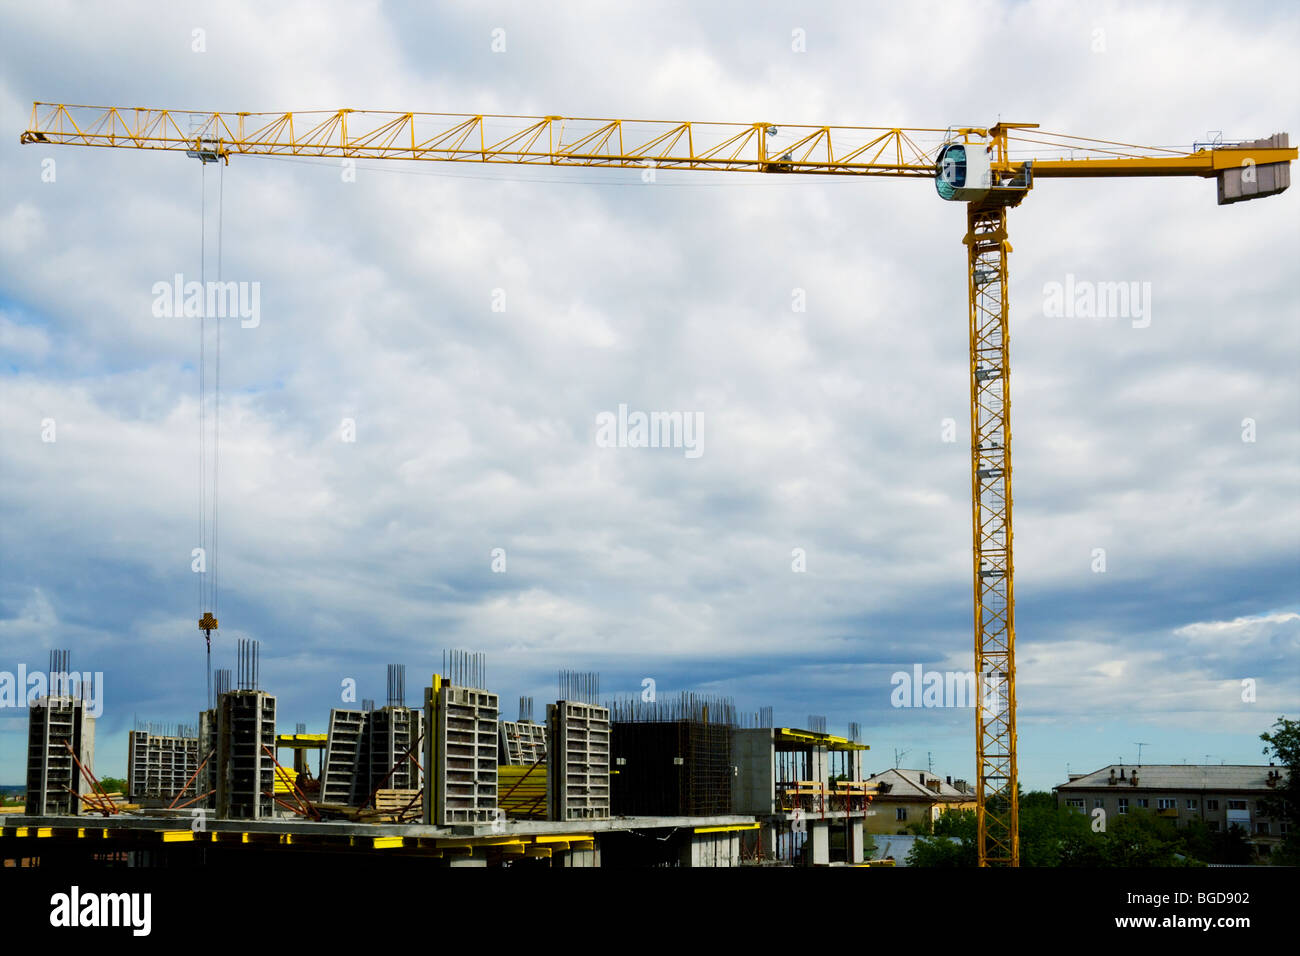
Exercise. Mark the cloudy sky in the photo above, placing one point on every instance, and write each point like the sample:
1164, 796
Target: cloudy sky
475, 426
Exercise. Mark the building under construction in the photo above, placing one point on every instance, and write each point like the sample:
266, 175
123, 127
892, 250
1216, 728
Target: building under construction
673, 756
161, 762
60, 745
681, 781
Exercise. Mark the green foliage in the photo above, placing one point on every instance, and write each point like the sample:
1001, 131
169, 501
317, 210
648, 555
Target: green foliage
942, 851
1048, 832
113, 784
1230, 846
957, 823
1139, 838
1062, 837
947, 841
1284, 804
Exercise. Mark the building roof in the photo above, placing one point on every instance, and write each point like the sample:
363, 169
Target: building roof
914, 785
1178, 777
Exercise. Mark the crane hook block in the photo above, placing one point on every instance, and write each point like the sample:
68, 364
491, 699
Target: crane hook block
207, 622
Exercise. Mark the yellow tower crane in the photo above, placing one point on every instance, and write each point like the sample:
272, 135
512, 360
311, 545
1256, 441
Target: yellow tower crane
990, 169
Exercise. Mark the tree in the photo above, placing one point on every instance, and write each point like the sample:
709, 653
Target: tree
1046, 830
952, 842
1284, 804
1140, 839
113, 784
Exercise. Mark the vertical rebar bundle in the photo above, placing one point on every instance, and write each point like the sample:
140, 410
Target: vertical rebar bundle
221, 681
525, 710
817, 723
855, 732
465, 668
757, 719
703, 708
157, 729
368, 704
580, 686
249, 658
396, 685
300, 728
61, 680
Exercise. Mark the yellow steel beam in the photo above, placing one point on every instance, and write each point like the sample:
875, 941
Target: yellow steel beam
378, 842
563, 838
728, 828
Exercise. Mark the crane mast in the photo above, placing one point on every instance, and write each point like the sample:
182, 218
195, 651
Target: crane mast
990, 169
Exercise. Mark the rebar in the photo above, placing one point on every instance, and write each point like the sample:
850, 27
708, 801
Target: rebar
249, 652
396, 685
465, 668
580, 686
61, 677
704, 708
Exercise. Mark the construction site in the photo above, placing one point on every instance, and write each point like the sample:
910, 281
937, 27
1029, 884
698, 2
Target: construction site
683, 781
415, 274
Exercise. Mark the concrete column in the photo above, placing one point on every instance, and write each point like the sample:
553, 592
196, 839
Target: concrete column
817, 850
856, 842
580, 858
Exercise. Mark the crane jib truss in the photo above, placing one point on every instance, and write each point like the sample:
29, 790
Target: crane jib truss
1013, 155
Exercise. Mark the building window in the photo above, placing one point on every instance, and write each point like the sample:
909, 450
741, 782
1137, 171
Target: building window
1098, 802
1236, 804
1283, 828
1212, 825
1123, 804
1075, 804
1166, 803
1144, 803
1261, 826
900, 813
1191, 804
1211, 804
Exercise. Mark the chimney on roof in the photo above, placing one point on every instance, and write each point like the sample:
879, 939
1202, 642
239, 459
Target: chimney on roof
1112, 776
